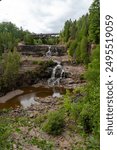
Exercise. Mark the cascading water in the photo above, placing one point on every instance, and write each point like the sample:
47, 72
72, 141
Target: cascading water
56, 52
49, 53
57, 75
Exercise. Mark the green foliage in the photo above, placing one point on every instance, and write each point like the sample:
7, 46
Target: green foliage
10, 65
67, 102
89, 107
72, 48
93, 143
94, 22
70, 107
86, 110
22, 121
75, 36
66, 32
79, 34
45, 64
93, 72
34, 62
38, 42
40, 119
78, 54
28, 38
10, 35
84, 51
52, 41
55, 123
5, 132
73, 30
43, 144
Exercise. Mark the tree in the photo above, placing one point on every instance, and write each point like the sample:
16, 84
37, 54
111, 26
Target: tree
28, 38
38, 42
83, 50
94, 22
9, 36
72, 48
73, 30
78, 54
11, 62
66, 32
84, 27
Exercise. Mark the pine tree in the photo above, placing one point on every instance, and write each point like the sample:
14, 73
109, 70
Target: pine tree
83, 50
66, 32
72, 48
94, 22
73, 30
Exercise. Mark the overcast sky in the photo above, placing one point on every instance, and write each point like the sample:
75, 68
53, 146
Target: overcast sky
42, 16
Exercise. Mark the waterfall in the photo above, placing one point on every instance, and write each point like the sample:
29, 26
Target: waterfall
57, 74
56, 93
58, 71
56, 52
49, 53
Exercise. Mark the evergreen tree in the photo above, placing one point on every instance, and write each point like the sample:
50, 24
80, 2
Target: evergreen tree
72, 48
84, 51
66, 32
73, 30
94, 22
11, 63
77, 54
84, 28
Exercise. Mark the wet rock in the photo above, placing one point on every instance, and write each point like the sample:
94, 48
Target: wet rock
69, 81
40, 50
36, 98
10, 95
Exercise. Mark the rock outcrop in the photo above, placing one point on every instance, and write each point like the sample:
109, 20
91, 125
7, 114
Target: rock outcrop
41, 50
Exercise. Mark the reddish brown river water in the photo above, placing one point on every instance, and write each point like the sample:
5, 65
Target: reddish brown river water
29, 94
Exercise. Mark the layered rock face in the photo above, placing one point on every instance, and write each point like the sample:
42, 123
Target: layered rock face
41, 50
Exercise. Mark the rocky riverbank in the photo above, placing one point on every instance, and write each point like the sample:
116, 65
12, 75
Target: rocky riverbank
25, 127
10, 95
36, 71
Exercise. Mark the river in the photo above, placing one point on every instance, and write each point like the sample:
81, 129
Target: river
29, 94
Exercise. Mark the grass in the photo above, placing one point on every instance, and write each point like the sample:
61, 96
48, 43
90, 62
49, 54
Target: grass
41, 143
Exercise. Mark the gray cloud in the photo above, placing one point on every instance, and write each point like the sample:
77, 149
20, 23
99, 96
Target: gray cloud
42, 15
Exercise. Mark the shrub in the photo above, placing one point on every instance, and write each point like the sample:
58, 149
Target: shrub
35, 62
86, 117
92, 143
5, 132
55, 123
